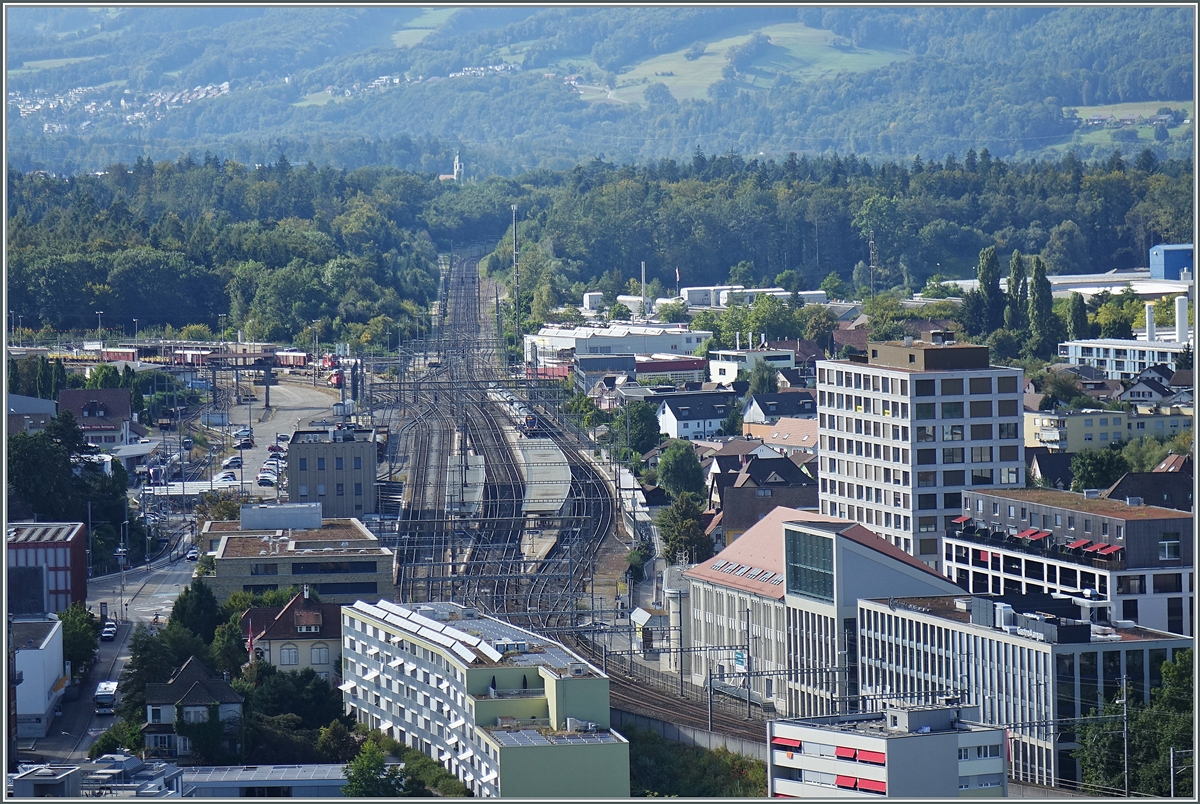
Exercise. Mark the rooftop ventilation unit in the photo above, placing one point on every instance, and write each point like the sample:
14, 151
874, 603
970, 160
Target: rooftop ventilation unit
577, 669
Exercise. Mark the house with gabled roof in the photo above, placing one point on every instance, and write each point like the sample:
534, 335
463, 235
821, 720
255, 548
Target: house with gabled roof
191, 695
800, 575
768, 408
693, 415
304, 634
762, 485
1145, 392
104, 414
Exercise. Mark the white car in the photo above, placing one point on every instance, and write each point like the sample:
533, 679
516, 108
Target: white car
193, 554
232, 462
244, 433
226, 476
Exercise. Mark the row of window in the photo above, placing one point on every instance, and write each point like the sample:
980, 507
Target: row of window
977, 409
953, 386
1103, 351
339, 463
870, 516
929, 456
863, 404
866, 382
339, 490
864, 449
1005, 431
291, 655
847, 424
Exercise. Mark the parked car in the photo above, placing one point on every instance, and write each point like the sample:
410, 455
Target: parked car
271, 463
226, 476
193, 554
243, 433
109, 633
282, 438
232, 462
277, 448
266, 481
245, 443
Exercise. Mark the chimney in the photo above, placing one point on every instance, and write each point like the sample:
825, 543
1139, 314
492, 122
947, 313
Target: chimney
738, 341
1181, 319
1150, 336
306, 591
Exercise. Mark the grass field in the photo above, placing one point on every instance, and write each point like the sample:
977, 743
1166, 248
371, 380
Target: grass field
50, 64
419, 27
410, 36
316, 99
1141, 108
796, 50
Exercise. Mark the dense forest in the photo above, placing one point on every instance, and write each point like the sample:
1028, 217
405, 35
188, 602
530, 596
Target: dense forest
269, 250
884, 83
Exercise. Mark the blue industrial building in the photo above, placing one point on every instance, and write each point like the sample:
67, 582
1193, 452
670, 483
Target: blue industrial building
1169, 261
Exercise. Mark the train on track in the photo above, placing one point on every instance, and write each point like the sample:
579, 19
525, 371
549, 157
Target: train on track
518, 412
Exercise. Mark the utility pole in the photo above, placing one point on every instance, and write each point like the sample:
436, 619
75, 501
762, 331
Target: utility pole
748, 676
1125, 728
517, 292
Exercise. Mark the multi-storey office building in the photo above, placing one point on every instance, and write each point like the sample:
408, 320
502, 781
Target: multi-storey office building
936, 751
1045, 540
907, 429
281, 546
335, 468
60, 550
795, 579
1029, 664
509, 712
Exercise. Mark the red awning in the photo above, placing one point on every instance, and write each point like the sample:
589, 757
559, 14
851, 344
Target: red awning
1094, 547
961, 519
847, 781
845, 753
1026, 533
1112, 548
874, 757
1077, 543
786, 742
871, 784
1041, 534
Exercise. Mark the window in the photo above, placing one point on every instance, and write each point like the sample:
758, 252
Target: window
809, 565
952, 455
926, 433
952, 410
1009, 453
358, 462
952, 387
1168, 583
925, 410
1007, 430
340, 489
320, 656
981, 385
927, 524
981, 454
289, 655
926, 457
981, 409
952, 432
927, 502
987, 751
981, 432
1006, 385
924, 388
320, 464
926, 479
1131, 585
303, 466
982, 477
358, 489
156, 715
952, 500
762, 492
264, 569
1010, 476
320, 489
956, 477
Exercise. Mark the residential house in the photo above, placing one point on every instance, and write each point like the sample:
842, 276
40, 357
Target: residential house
1144, 391
304, 634
761, 486
104, 414
1182, 379
787, 436
1175, 463
1052, 469
191, 695
768, 408
1163, 489
693, 415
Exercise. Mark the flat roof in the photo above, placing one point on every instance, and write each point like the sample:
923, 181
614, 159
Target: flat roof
236, 774
531, 737
1100, 506
547, 474
943, 607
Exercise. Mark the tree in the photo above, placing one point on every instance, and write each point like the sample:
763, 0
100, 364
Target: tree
336, 744
80, 635
679, 470
227, 653
149, 663
1078, 327
367, 775
197, 609
732, 424
217, 506
989, 286
619, 312
1097, 468
1017, 308
1184, 360
675, 312
679, 526
1143, 454
1043, 324
764, 379
834, 287
637, 427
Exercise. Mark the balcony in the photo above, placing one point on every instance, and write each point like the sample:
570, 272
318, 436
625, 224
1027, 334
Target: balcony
1046, 549
1051, 435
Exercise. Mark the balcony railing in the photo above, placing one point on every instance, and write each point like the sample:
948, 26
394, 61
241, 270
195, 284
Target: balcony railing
1056, 551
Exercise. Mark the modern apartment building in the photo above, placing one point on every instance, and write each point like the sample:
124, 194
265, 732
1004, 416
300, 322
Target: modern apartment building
1124, 359
907, 429
335, 467
1139, 557
921, 752
555, 343
281, 546
1027, 662
725, 364
509, 712
794, 579
1074, 430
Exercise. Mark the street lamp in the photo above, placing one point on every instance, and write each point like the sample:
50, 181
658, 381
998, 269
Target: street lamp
20, 330
99, 326
516, 291
135, 333
316, 352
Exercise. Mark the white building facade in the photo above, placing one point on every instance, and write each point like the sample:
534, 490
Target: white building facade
550, 342
904, 434
38, 645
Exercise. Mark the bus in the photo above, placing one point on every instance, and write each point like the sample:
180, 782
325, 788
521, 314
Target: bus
106, 698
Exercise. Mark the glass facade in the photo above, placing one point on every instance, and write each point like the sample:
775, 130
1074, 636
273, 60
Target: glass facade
809, 564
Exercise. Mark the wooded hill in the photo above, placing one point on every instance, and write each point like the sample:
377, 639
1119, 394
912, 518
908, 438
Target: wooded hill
646, 83
278, 247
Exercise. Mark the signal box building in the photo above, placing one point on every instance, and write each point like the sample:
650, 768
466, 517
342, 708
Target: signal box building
334, 467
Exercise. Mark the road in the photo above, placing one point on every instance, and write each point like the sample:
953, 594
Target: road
135, 596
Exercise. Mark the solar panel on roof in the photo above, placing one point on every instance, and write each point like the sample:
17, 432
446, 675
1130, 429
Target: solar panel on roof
766, 577
718, 565
777, 581
731, 567
752, 574
742, 571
